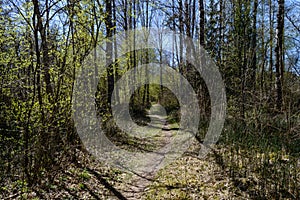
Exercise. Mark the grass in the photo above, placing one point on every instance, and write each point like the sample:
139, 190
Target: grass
246, 164
250, 161
229, 173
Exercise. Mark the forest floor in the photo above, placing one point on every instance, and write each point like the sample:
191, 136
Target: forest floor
187, 177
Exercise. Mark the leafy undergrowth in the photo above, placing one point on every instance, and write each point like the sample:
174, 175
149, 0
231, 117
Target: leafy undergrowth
229, 174
83, 179
191, 178
245, 168
225, 173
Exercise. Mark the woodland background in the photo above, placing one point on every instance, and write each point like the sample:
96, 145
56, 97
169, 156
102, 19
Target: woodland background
254, 43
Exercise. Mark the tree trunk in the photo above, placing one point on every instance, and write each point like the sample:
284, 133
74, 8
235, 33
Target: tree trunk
253, 48
279, 55
109, 51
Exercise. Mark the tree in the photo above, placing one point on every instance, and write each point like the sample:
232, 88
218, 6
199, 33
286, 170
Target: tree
280, 54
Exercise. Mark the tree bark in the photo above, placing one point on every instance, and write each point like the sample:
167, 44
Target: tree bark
279, 55
109, 51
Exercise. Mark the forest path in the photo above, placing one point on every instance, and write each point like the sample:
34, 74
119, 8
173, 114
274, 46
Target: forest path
137, 183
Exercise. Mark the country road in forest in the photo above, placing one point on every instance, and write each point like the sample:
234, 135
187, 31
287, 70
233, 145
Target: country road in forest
139, 182
114, 99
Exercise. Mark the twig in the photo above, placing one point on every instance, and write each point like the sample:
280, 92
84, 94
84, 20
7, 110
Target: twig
12, 196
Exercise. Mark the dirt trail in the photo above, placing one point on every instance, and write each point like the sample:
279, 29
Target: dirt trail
139, 182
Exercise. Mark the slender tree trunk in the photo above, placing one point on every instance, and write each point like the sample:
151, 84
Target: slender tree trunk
181, 31
254, 47
42, 29
279, 55
271, 19
202, 23
109, 51
221, 36
264, 52
116, 51
201, 90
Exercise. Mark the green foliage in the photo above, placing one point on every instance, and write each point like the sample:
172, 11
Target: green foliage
42, 43
85, 175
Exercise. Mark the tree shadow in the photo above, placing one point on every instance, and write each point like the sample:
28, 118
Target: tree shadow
170, 129
106, 184
103, 181
241, 179
243, 186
